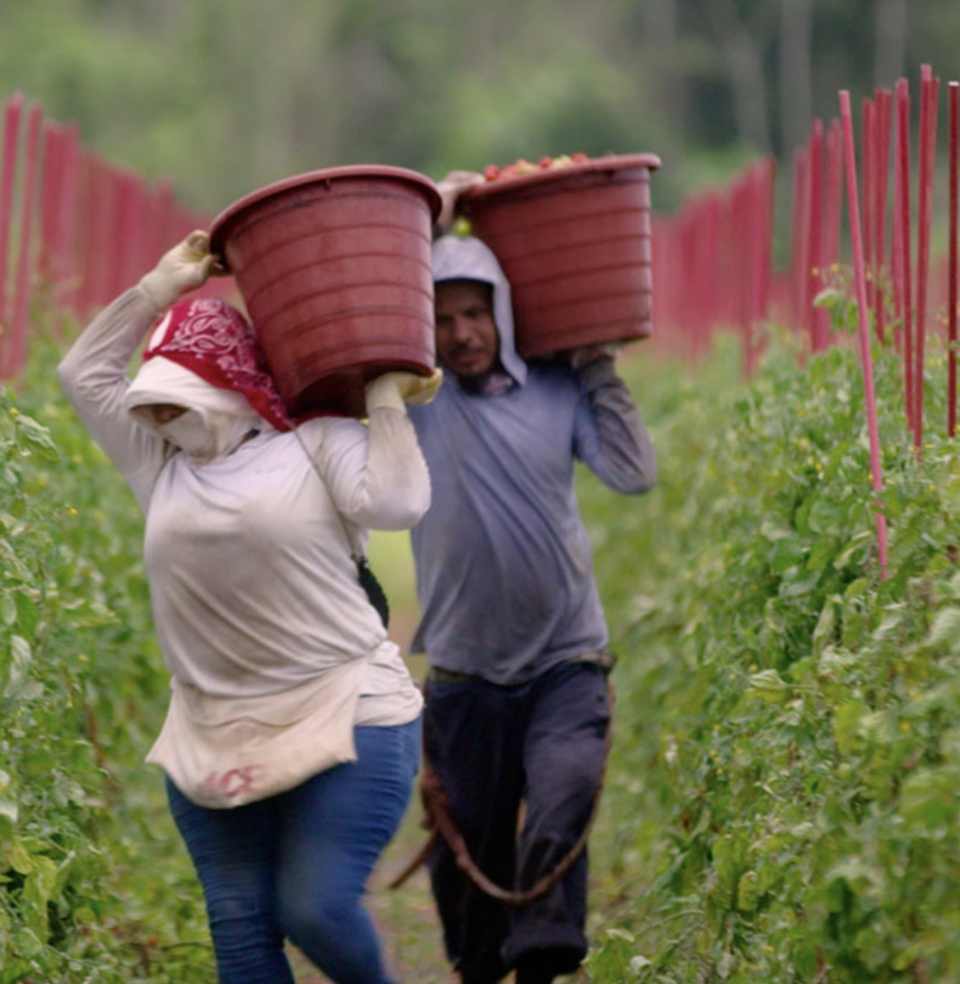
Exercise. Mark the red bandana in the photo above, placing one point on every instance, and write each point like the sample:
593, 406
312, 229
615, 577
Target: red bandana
214, 340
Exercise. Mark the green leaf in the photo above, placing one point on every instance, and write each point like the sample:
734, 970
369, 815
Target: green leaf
9, 810
36, 437
21, 656
830, 298
856, 545
768, 686
822, 552
787, 552
42, 881
29, 943
8, 610
945, 630
28, 615
21, 652
861, 876
826, 624
953, 584
747, 892
846, 725
17, 971
928, 799
18, 856
856, 589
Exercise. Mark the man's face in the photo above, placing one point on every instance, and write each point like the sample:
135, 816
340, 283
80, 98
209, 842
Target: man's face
467, 340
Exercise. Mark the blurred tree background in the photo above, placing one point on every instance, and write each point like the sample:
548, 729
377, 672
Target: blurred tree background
222, 96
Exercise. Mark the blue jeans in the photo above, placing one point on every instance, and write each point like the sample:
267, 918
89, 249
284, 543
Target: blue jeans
295, 866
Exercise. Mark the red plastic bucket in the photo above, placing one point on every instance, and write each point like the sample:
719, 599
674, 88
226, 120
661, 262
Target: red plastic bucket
334, 269
575, 244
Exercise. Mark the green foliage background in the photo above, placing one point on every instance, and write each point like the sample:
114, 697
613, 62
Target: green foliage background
226, 95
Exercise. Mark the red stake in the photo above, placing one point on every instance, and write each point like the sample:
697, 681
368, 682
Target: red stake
11, 132
67, 222
928, 140
833, 200
903, 209
896, 263
952, 269
868, 126
819, 317
21, 298
765, 188
798, 226
856, 242
49, 201
881, 172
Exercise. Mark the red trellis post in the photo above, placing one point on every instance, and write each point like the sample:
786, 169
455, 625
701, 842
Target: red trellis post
833, 198
928, 138
856, 242
11, 133
798, 238
869, 132
819, 317
67, 247
21, 299
50, 198
952, 273
903, 228
882, 100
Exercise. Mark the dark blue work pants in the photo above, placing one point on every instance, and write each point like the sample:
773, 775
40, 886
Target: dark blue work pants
541, 744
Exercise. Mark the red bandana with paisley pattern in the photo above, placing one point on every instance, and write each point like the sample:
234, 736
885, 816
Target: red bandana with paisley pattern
214, 340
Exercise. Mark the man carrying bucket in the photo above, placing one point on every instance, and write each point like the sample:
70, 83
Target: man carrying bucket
518, 708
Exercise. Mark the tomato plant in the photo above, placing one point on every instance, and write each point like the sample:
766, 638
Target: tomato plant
90, 889
781, 802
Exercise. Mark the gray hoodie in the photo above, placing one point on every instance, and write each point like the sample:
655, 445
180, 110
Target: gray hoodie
504, 565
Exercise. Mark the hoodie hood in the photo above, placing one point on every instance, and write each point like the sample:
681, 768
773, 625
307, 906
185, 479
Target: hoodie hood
467, 258
203, 356
216, 420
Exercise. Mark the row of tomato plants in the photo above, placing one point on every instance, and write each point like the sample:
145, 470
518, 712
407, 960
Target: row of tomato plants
92, 886
781, 805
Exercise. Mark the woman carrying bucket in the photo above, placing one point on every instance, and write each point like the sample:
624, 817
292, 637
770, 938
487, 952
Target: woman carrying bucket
292, 736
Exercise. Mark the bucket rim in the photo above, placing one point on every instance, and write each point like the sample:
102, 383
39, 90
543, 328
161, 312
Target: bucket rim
610, 162
408, 175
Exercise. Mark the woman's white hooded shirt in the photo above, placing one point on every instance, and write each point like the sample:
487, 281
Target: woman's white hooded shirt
253, 586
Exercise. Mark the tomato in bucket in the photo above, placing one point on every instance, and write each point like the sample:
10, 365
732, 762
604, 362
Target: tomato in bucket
575, 243
334, 269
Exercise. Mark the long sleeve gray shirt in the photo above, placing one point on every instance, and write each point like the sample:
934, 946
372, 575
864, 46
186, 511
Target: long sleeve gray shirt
504, 565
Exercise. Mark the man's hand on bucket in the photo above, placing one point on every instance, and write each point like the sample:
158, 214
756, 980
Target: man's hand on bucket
450, 188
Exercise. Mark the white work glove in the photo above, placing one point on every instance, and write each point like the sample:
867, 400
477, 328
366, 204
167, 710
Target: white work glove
184, 267
450, 189
395, 389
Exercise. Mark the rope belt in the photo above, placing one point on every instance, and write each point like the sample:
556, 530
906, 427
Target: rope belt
442, 825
